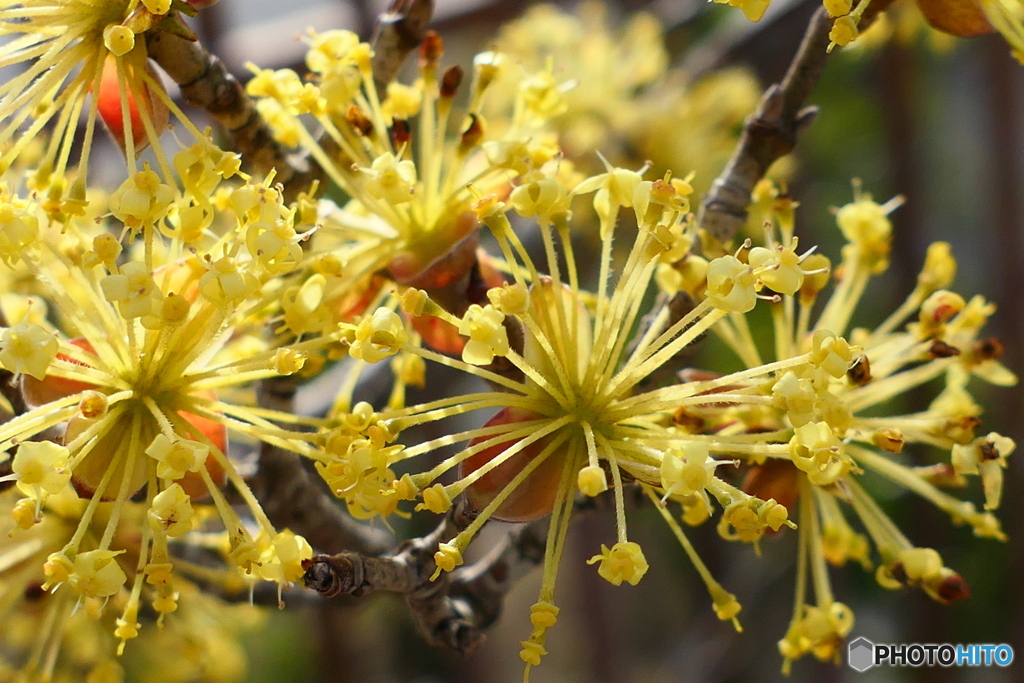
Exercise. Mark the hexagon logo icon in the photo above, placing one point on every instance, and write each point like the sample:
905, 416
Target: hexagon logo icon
861, 654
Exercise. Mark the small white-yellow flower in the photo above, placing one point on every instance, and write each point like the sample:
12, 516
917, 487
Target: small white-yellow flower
176, 456
510, 299
688, 469
778, 268
447, 558
796, 396
133, 289
141, 200
815, 449
41, 465
731, 285
831, 353
865, 223
390, 179
624, 561
379, 336
171, 511
592, 480
97, 574
226, 283
19, 227
281, 559
28, 348
486, 331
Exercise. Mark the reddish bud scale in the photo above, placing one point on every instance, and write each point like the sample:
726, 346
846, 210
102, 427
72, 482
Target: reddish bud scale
108, 105
445, 279
357, 299
423, 266
439, 335
534, 498
778, 479
963, 18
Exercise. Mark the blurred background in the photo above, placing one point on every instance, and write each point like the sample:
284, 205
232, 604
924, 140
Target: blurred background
937, 120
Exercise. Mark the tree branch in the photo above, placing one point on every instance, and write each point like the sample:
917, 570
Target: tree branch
399, 32
771, 131
768, 134
206, 83
442, 620
456, 609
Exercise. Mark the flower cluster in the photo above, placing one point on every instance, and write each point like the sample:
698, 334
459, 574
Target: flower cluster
411, 182
138, 329
824, 428
579, 409
143, 328
132, 353
961, 18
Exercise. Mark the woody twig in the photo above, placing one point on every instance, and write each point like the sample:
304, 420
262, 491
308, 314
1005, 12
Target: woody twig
768, 134
454, 610
771, 132
206, 83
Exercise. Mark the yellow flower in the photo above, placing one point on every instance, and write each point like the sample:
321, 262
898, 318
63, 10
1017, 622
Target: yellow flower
96, 574
844, 31
730, 285
487, 336
436, 499
822, 425
411, 181
447, 558
41, 466
141, 201
28, 348
133, 401
176, 456
84, 61
171, 511
281, 559
779, 267
19, 226
837, 8
752, 9
390, 180
592, 480
625, 561
573, 415
687, 470
379, 336
815, 449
